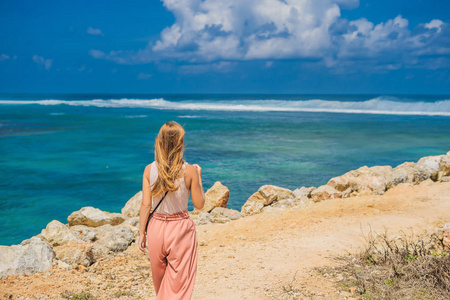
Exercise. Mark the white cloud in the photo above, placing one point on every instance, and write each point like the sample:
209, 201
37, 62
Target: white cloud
369, 40
210, 31
243, 30
94, 31
219, 67
144, 76
96, 53
4, 57
434, 24
47, 63
124, 57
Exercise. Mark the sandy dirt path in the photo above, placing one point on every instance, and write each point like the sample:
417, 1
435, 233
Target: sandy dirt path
261, 253
254, 257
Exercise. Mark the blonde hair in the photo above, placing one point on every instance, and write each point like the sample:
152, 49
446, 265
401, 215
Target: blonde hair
169, 149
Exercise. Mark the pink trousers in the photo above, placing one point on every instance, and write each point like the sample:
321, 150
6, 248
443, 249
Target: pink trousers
172, 246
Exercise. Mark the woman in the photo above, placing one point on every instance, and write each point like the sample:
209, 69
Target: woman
171, 234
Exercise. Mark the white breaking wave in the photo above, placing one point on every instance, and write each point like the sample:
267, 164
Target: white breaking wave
135, 116
189, 117
379, 105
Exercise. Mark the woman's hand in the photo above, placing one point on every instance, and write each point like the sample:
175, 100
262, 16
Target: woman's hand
142, 240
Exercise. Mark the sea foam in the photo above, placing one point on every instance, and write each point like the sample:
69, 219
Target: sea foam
379, 105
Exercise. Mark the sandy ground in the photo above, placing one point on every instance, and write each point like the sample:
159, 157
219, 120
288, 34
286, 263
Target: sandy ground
254, 257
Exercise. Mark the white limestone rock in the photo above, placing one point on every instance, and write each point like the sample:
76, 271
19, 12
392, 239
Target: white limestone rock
84, 233
94, 217
112, 239
216, 196
75, 252
251, 208
223, 215
31, 256
133, 206
57, 234
325, 192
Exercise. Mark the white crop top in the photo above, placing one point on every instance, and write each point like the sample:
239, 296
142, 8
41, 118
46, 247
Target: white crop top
175, 201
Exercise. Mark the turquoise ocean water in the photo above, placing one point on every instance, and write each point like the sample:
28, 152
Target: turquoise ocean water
62, 152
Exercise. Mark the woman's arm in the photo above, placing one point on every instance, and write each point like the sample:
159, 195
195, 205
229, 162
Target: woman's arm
197, 193
146, 206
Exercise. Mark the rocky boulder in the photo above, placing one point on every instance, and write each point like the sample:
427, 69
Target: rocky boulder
84, 233
325, 192
437, 176
223, 215
75, 252
112, 239
133, 206
202, 218
251, 208
264, 199
303, 191
281, 193
445, 179
56, 234
407, 172
134, 229
267, 194
216, 196
349, 192
285, 203
360, 193
363, 178
303, 202
217, 215
429, 164
31, 256
132, 221
94, 217
444, 165
194, 216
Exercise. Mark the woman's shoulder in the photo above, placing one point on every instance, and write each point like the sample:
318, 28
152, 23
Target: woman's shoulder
150, 165
189, 169
148, 168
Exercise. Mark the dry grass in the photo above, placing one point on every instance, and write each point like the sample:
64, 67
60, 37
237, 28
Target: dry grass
403, 267
77, 296
290, 291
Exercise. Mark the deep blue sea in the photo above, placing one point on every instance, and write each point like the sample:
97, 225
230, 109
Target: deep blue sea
62, 152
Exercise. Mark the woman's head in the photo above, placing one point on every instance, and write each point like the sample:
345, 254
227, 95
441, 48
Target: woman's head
169, 148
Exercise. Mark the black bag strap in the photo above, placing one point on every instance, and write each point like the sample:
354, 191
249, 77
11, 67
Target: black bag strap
151, 214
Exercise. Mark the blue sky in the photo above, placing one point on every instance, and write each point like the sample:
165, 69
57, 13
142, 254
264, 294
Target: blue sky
225, 46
